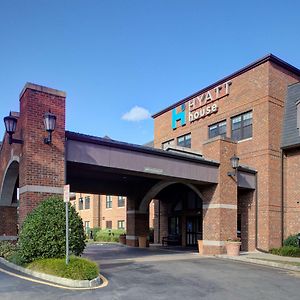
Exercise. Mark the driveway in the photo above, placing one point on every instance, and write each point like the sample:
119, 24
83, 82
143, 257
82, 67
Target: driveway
164, 274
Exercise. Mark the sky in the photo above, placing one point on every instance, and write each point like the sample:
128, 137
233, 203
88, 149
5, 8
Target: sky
120, 61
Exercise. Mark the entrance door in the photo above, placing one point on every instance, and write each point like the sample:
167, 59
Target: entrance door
193, 230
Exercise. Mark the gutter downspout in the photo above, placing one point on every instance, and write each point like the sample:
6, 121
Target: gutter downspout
282, 197
158, 233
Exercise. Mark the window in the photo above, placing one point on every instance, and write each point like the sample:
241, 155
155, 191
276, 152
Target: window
109, 224
121, 201
241, 126
87, 226
166, 144
80, 203
121, 224
87, 202
184, 141
108, 201
217, 129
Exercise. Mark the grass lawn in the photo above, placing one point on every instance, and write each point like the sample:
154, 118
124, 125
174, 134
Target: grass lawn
77, 269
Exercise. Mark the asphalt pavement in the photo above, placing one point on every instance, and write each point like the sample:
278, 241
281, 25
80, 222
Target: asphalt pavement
165, 274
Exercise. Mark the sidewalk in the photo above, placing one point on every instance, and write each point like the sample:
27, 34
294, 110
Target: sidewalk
267, 259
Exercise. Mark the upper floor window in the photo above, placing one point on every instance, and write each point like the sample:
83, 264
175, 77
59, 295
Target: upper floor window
184, 141
166, 144
241, 126
108, 201
217, 129
80, 203
87, 202
121, 201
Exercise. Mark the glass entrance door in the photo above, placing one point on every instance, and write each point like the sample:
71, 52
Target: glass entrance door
193, 230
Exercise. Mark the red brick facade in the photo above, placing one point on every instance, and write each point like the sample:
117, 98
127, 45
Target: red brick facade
262, 90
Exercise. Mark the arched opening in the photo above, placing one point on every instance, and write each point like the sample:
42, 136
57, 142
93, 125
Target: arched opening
9, 200
178, 213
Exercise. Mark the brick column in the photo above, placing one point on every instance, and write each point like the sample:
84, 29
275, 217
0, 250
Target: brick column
137, 223
95, 206
42, 166
163, 219
220, 203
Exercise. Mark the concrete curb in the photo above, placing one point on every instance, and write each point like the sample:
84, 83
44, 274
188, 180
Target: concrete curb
55, 279
261, 262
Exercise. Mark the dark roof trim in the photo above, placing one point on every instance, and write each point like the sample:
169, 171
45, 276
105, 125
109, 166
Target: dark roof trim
133, 147
269, 57
247, 170
290, 147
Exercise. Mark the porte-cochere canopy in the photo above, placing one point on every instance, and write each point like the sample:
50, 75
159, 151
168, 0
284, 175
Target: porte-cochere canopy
103, 165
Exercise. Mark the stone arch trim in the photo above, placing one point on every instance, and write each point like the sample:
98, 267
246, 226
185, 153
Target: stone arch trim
8, 183
159, 187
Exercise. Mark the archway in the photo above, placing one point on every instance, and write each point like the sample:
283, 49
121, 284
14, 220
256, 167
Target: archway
8, 200
178, 213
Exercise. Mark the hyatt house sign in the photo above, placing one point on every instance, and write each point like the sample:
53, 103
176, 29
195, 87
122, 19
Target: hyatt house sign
201, 106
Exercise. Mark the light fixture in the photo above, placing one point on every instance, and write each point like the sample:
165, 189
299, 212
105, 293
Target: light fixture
49, 123
10, 127
234, 160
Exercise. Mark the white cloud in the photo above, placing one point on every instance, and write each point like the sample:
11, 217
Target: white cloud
136, 114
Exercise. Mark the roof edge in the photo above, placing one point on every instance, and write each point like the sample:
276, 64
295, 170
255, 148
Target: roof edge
269, 57
127, 146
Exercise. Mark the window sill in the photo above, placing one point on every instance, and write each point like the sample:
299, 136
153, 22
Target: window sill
245, 140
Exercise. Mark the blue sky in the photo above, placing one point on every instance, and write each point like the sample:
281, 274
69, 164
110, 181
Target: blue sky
114, 56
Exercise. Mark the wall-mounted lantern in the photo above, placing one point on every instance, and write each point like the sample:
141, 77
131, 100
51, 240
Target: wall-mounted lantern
50, 123
10, 127
234, 160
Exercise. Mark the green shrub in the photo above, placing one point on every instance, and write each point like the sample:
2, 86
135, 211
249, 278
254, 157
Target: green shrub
43, 232
16, 258
95, 231
292, 240
108, 235
77, 269
6, 249
286, 251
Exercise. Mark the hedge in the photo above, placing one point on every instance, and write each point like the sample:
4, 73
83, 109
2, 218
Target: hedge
286, 251
77, 269
108, 235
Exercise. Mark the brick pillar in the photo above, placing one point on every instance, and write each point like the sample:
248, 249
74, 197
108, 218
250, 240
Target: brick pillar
95, 206
8, 217
220, 203
137, 223
42, 166
163, 219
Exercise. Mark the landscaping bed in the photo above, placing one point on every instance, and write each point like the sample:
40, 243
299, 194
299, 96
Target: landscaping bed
77, 269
